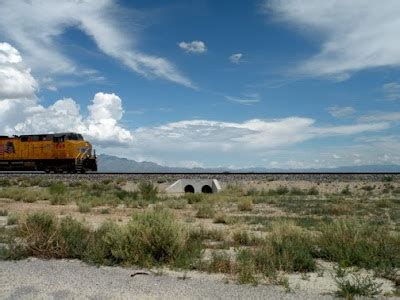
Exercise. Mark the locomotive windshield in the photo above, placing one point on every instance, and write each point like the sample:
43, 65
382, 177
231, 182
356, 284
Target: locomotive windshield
74, 137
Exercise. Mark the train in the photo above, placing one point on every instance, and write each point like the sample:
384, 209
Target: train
58, 152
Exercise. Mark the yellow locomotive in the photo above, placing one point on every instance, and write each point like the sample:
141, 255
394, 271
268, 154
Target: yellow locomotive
59, 152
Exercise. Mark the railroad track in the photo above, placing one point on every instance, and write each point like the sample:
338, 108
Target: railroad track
198, 173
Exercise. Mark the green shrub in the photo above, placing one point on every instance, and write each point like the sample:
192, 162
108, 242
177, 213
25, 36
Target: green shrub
12, 219
313, 191
220, 262
281, 190
346, 190
245, 204
252, 192
57, 188
147, 190
205, 211
75, 237
246, 268
194, 198
289, 248
39, 231
84, 207
243, 238
360, 244
101, 245
152, 238
176, 203
58, 199
5, 182
297, 191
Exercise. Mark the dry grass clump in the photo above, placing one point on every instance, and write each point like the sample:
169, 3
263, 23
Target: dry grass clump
245, 204
220, 218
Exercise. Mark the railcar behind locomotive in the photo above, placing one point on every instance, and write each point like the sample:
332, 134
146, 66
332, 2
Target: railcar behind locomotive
59, 152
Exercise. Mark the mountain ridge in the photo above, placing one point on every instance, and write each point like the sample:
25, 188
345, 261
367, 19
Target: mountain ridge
110, 163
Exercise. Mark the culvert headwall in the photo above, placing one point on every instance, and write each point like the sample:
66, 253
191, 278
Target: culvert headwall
207, 186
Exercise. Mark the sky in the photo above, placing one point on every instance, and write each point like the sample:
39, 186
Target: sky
258, 83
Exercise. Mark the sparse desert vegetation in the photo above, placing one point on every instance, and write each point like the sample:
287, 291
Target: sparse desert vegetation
256, 232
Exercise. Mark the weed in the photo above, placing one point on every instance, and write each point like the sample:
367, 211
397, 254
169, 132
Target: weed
147, 190
3, 212
105, 211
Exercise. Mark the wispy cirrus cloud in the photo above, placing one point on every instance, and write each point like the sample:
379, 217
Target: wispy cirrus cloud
355, 35
44, 22
391, 91
248, 99
340, 112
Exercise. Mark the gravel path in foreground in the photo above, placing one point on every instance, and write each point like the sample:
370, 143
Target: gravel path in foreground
72, 279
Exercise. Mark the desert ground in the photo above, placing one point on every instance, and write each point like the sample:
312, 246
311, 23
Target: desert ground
262, 236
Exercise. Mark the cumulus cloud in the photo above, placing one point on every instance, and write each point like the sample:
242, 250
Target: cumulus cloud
236, 58
15, 79
193, 47
21, 112
341, 112
355, 35
44, 21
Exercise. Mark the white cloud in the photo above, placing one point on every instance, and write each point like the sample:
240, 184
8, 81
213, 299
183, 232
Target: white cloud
15, 79
21, 112
381, 116
391, 91
44, 21
193, 47
236, 58
247, 100
251, 135
355, 35
340, 112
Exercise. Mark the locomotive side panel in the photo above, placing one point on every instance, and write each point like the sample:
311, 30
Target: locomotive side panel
59, 152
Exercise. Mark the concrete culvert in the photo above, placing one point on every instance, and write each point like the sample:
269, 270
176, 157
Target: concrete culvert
189, 189
206, 189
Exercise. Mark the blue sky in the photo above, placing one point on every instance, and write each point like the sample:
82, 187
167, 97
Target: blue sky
288, 84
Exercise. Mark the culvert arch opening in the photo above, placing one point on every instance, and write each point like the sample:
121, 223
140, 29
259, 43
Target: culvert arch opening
189, 188
206, 189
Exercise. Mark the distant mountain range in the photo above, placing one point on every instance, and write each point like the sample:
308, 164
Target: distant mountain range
108, 163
